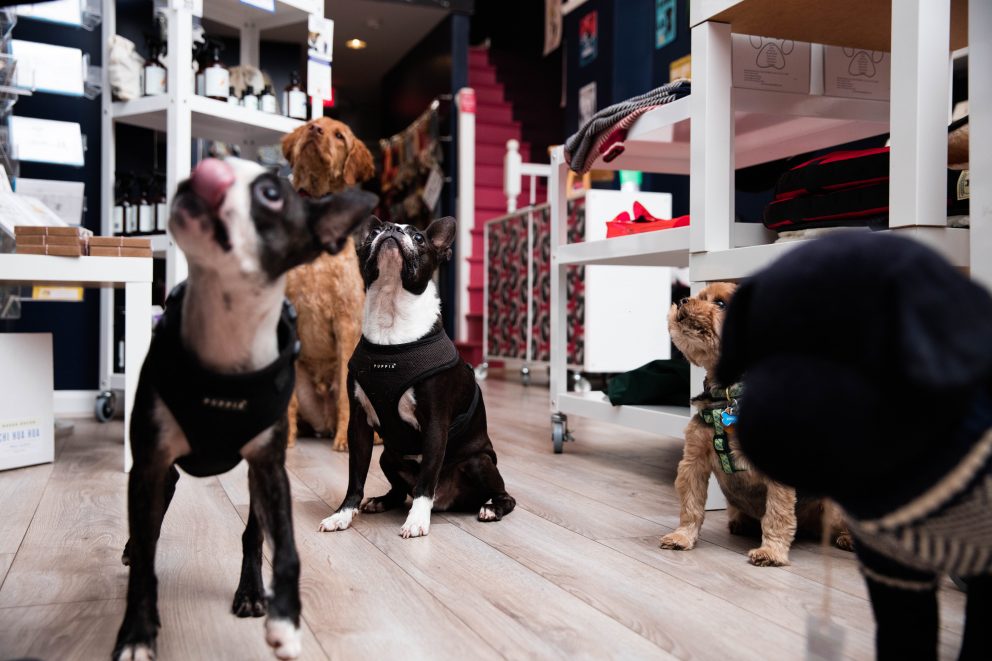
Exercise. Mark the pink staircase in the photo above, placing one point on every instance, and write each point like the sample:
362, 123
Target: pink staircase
495, 124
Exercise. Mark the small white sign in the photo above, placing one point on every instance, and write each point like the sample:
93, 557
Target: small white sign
432, 188
587, 103
320, 38
48, 68
46, 141
319, 79
68, 12
27, 425
267, 5
65, 198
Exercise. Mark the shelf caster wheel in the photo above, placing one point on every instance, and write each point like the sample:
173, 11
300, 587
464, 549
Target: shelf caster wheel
525, 375
481, 371
559, 432
105, 405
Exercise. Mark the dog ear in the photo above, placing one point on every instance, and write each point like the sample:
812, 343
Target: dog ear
333, 218
359, 166
289, 142
441, 234
942, 325
734, 356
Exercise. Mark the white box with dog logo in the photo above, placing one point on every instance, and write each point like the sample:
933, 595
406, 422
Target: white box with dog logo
780, 65
856, 73
27, 426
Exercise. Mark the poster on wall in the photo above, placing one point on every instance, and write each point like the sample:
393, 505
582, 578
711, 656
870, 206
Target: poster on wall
587, 102
552, 25
320, 54
665, 26
588, 38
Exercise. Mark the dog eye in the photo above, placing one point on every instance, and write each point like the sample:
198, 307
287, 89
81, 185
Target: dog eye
418, 237
720, 304
373, 234
271, 193
339, 135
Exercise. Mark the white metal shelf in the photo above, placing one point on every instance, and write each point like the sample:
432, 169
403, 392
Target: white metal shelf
664, 420
661, 248
88, 271
211, 119
237, 14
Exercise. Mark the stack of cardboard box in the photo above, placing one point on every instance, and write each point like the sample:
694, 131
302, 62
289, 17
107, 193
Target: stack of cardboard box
77, 242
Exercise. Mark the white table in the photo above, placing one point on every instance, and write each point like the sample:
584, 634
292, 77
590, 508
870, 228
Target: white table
132, 273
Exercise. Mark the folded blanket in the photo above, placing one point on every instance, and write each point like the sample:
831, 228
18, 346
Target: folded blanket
604, 133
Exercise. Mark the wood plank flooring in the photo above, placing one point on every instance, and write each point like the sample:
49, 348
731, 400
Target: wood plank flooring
574, 572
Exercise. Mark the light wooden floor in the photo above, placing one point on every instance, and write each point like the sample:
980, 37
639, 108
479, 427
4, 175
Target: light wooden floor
574, 572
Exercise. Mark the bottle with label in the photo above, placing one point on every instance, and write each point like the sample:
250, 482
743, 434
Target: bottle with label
154, 72
146, 211
294, 99
216, 77
232, 96
248, 98
131, 211
267, 101
120, 206
161, 206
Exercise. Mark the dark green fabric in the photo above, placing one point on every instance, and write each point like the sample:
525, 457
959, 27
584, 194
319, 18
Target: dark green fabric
662, 382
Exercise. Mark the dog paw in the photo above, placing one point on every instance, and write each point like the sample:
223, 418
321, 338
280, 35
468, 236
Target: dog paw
677, 541
340, 445
284, 638
418, 522
844, 542
249, 604
337, 521
487, 513
136, 652
765, 557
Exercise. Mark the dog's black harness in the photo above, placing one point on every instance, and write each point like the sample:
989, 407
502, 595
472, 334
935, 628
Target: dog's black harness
721, 414
386, 371
218, 413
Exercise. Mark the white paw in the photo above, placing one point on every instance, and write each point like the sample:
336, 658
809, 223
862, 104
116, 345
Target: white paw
284, 638
418, 522
136, 653
337, 521
487, 513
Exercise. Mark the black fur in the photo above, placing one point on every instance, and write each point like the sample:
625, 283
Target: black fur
288, 236
459, 474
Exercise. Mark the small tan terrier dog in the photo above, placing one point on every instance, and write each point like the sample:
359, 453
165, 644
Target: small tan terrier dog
755, 504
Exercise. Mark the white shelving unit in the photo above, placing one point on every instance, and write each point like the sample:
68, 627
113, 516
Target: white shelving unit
736, 128
183, 115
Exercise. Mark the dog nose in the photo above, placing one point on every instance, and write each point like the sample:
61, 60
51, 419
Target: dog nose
211, 179
316, 128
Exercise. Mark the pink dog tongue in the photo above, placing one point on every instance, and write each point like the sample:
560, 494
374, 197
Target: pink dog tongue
211, 179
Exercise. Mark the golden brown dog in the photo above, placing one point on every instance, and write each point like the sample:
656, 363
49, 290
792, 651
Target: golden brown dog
755, 504
329, 296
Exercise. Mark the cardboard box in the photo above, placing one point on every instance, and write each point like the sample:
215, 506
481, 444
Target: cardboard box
59, 251
27, 425
50, 240
856, 73
119, 251
779, 65
52, 231
120, 241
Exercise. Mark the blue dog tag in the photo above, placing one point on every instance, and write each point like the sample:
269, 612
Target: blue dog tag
728, 418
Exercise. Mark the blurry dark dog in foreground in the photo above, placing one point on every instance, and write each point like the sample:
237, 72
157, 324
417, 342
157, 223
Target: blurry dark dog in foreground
868, 362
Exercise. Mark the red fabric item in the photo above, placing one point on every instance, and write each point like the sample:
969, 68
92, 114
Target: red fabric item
643, 222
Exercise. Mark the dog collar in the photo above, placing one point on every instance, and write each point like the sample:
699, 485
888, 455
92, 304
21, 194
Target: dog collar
721, 415
218, 412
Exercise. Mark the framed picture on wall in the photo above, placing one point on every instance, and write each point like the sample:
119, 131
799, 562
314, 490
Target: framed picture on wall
588, 38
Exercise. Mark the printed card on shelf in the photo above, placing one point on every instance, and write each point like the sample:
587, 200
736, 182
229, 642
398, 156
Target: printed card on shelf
65, 198
46, 141
48, 68
856, 72
780, 65
319, 79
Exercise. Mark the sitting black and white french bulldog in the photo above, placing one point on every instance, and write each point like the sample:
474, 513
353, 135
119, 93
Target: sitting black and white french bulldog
217, 380
407, 382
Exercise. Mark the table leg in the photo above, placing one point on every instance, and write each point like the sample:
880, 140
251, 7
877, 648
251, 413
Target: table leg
137, 337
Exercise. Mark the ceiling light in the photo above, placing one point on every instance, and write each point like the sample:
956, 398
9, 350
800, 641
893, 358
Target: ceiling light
355, 44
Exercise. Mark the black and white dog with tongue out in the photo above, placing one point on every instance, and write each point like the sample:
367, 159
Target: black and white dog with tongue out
217, 380
407, 382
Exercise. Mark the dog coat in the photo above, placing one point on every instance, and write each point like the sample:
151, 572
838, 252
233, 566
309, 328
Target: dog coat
386, 371
218, 413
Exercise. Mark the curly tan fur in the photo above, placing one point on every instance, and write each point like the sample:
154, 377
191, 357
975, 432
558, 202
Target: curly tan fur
755, 504
329, 296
